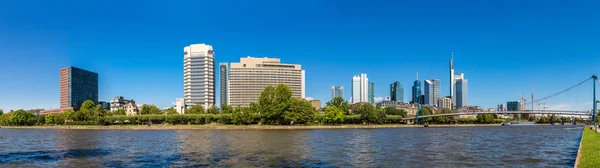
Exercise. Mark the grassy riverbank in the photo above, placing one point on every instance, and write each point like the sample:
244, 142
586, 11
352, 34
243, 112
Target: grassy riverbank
589, 149
234, 127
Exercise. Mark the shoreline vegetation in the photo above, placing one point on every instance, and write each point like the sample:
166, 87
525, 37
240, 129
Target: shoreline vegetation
245, 127
589, 149
237, 127
275, 108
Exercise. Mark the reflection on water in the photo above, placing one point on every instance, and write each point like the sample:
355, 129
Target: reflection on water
535, 146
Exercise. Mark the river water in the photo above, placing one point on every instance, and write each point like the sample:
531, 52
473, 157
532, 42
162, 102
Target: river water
521, 146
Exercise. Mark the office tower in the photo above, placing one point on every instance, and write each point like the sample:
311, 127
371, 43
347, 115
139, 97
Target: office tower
371, 92
462, 91
355, 89
452, 94
397, 92
337, 91
513, 106
223, 82
432, 91
77, 86
199, 75
416, 91
360, 89
249, 77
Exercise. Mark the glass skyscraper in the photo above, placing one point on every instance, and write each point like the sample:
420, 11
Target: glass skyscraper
337, 91
77, 86
416, 92
371, 92
432, 91
223, 82
396, 92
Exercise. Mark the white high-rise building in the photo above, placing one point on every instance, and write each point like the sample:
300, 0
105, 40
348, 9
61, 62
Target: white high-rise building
360, 88
199, 75
249, 77
452, 94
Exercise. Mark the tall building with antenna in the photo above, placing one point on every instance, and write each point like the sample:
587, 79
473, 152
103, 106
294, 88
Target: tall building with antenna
416, 91
452, 95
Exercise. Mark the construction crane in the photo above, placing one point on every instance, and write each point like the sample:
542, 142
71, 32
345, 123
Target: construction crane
523, 102
539, 104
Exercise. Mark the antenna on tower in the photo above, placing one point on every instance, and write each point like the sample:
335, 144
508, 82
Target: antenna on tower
452, 55
417, 75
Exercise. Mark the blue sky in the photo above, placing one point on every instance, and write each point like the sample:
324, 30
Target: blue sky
503, 47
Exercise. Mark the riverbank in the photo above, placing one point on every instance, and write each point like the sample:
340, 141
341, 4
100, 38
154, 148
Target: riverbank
589, 149
232, 127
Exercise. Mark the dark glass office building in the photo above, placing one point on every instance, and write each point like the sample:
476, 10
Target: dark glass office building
77, 86
396, 92
416, 92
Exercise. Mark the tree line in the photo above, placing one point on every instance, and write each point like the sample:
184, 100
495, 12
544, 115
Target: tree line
275, 106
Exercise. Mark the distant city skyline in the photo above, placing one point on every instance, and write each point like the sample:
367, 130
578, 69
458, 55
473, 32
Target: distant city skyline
502, 49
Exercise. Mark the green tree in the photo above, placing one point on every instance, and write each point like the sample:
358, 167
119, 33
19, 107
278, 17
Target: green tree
368, 113
213, 110
119, 112
422, 112
69, 115
22, 117
196, 109
86, 111
333, 115
150, 109
1, 112
273, 102
40, 119
242, 116
395, 111
299, 112
340, 103
226, 109
171, 111
485, 118
443, 119
50, 119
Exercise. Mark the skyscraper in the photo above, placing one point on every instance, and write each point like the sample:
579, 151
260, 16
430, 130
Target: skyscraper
249, 77
223, 82
397, 92
462, 90
199, 75
371, 92
432, 91
360, 89
77, 86
416, 91
452, 80
337, 91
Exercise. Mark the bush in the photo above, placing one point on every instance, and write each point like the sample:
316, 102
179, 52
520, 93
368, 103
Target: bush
352, 119
466, 120
393, 119
21, 117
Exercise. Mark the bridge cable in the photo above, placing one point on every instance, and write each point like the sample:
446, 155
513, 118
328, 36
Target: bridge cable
558, 93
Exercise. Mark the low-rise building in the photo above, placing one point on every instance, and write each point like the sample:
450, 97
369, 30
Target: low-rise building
180, 105
444, 103
118, 102
56, 111
131, 108
411, 109
316, 104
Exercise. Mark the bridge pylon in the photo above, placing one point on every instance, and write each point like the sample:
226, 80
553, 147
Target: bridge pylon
595, 103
